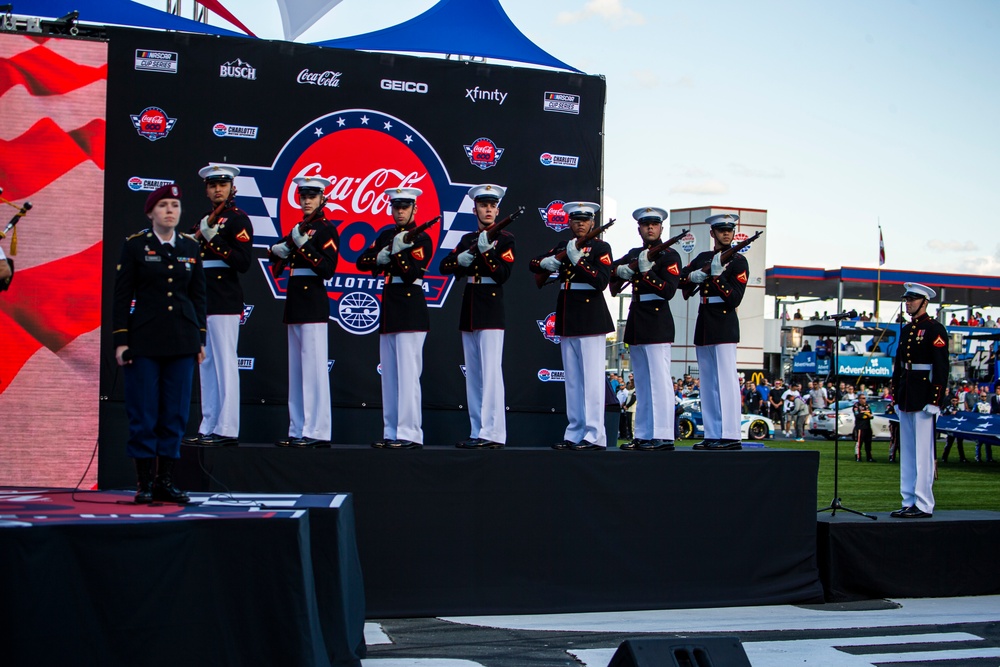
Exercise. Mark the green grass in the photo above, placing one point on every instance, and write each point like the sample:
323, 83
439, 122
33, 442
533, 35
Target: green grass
874, 487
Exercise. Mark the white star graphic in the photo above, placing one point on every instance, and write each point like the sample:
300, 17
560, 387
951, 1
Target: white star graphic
409, 139
340, 122
318, 132
364, 120
388, 125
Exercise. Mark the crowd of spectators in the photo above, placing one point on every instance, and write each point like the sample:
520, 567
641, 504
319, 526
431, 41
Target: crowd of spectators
977, 320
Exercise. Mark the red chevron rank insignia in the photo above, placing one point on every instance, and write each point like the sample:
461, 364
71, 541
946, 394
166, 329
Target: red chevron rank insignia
508, 255
674, 269
743, 277
939, 342
329, 244
243, 236
606, 259
418, 254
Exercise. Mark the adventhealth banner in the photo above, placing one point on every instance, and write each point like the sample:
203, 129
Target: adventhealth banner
367, 122
807, 362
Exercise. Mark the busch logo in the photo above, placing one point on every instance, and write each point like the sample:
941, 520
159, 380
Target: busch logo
554, 216
237, 69
488, 95
483, 153
153, 123
362, 153
327, 78
548, 328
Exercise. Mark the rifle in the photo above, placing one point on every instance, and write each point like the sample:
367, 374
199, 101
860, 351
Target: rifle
617, 283
543, 279
725, 256
493, 231
21, 212
211, 222
279, 264
411, 235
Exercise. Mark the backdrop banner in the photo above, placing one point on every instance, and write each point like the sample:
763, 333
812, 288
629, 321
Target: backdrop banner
367, 122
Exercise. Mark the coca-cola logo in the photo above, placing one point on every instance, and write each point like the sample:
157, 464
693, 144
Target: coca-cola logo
327, 78
554, 216
483, 153
153, 123
362, 153
547, 327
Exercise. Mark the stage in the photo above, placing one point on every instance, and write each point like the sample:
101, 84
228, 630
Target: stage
90, 579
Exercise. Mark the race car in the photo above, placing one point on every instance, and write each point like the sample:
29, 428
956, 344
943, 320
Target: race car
689, 424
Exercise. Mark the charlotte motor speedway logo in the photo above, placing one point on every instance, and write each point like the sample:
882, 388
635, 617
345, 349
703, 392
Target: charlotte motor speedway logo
362, 152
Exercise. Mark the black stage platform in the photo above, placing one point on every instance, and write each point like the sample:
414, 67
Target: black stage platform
949, 555
443, 531
90, 579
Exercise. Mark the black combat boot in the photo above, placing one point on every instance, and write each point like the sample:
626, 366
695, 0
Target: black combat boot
144, 470
164, 490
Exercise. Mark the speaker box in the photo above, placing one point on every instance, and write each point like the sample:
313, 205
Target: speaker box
681, 652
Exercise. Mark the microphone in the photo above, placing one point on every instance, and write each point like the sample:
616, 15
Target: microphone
841, 316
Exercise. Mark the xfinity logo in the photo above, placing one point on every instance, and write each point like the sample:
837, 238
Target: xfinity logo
404, 86
327, 78
475, 94
237, 69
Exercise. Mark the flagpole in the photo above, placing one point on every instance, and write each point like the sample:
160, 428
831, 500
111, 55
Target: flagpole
878, 280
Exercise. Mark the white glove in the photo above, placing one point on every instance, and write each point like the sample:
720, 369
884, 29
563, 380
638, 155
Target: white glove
298, 237
932, 409
550, 264
717, 264
573, 253
624, 272
644, 263
383, 256
698, 276
281, 250
206, 231
484, 242
399, 244
466, 258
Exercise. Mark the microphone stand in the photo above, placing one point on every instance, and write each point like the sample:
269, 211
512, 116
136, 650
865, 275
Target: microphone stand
835, 504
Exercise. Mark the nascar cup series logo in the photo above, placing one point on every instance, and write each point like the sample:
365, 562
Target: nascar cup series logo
483, 153
153, 123
362, 153
554, 216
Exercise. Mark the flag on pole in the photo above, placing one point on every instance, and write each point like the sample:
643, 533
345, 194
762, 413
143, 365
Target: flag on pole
881, 247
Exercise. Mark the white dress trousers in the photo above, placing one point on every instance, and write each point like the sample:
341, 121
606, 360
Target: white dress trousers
484, 384
651, 368
402, 357
720, 391
916, 459
309, 412
583, 363
220, 378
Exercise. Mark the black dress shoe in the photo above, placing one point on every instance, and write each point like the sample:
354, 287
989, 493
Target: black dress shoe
914, 513
658, 445
471, 443
564, 444
402, 444
584, 445
895, 514
720, 445
192, 439
486, 444
310, 443
632, 444
704, 444
214, 440
285, 442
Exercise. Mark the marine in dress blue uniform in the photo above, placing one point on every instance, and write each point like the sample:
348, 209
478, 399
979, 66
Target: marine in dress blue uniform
158, 322
717, 332
226, 252
311, 251
649, 330
404, 323
582, 324
919, 379
486, 265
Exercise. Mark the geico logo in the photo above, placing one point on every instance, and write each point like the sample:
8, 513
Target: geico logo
404, 86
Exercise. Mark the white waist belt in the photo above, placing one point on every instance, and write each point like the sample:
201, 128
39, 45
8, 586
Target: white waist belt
713, 299
214, 264
485, 280
576, 286
919, 367
303, 272
651, 297
397, 280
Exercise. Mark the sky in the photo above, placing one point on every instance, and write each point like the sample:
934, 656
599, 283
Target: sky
832, 116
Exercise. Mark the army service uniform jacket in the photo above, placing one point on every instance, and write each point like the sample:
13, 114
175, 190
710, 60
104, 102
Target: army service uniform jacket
649, 318
482, 300
168, 285
920, 371
233, 246
582, 312
306, 300
403, 305
720, 296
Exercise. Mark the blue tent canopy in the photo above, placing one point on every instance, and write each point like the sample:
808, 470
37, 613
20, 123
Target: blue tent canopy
116, 12
466, 27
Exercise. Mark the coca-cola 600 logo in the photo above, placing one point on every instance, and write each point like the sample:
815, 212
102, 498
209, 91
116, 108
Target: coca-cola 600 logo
362, 152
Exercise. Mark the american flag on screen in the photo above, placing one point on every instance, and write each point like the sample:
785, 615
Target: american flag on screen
52, 133
881, 247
